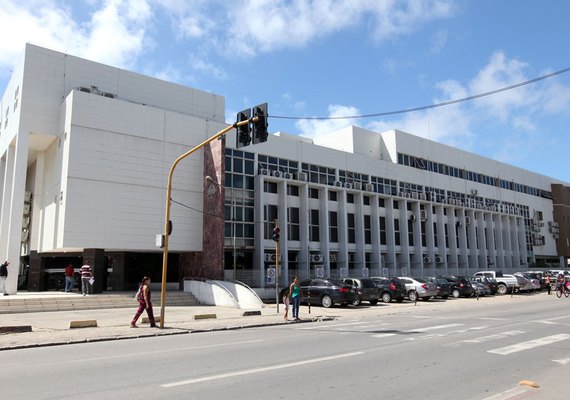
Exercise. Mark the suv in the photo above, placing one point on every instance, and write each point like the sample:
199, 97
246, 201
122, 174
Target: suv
442, 285
390, 288
366, 290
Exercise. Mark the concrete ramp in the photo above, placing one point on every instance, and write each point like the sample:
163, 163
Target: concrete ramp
223, 293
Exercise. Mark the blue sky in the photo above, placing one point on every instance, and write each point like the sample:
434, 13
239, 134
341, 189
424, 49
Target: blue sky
338, 58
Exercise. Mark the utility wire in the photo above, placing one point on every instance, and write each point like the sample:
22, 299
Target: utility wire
445, 103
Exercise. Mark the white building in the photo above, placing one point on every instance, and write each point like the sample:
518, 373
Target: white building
86, 150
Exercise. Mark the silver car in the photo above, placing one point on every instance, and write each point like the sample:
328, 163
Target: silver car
419, 288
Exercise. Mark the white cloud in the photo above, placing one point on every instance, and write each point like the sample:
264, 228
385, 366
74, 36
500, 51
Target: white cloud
319, 129
114, 35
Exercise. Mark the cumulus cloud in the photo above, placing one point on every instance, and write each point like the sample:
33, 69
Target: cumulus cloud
114, 34
319, 129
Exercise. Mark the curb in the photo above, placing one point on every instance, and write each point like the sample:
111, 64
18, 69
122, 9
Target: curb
15, 329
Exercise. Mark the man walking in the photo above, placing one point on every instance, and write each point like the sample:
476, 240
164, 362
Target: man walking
86, 275
4, 276
69, 279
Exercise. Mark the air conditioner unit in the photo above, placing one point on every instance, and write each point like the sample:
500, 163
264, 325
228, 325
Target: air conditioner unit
438, 259
301, 176
415, 195
288, 175
276, 174
26, 209
401, 194
348, 185
423, 196
27, 197
459, 223
412, 217
432, 196
357, 185
316, 258
427, 259
338, 183
264, 171
467, 221
452, 202
423, 215
474, 192
407, 195
540, 223
25, 236
26, 222
369, 187
270, 257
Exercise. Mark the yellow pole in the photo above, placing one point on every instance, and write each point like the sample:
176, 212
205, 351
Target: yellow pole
167, 213
277, 274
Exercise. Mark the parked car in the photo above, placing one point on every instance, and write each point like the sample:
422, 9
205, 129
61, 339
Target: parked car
491, 283
506, 283
480, 287
390, 288
442, 285
325, 292
366, 290
523, 284
532, 278
418, 288
460, 286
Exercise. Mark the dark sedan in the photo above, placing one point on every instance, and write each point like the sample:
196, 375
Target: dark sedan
442, 285
460, 286
325, 292
390, 289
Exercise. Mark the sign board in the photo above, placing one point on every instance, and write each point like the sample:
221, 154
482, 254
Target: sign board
270, 275
385, 271
365, 272
320, 271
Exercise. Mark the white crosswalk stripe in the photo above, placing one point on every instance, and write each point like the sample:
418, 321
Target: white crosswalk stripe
531, 344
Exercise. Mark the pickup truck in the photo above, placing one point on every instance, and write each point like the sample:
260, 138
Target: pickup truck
506, 283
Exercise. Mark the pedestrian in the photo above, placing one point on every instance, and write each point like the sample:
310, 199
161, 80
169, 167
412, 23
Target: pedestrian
3, 277
69, 277
286, 302
143, 297
547, 279
86, 275
295, 293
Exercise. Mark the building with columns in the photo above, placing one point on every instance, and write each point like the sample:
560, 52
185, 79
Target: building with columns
85, 153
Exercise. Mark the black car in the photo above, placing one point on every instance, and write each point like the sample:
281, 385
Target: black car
365, 288
491, 283
325, 292
390, 289
443, 286
460, 286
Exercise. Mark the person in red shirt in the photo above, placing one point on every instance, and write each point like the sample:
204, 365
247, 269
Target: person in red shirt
69, 277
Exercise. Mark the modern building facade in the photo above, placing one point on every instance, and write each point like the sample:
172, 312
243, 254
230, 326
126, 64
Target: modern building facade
86, 149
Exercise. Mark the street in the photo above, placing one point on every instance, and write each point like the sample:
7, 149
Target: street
464, 349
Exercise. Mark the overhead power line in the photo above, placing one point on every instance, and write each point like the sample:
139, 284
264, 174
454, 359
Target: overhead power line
445, 103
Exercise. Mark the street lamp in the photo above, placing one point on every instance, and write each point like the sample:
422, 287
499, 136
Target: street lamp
232, 213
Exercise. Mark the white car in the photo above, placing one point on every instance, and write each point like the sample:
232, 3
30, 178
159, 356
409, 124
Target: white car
418, 288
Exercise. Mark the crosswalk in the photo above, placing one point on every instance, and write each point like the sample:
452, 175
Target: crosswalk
490, 333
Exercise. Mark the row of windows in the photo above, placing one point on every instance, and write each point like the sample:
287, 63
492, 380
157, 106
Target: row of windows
420, 163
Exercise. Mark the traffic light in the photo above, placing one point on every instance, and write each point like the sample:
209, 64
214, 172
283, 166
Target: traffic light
275, 236
259, 132
243, 132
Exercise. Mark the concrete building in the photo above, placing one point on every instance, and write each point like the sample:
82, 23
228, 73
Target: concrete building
86, 149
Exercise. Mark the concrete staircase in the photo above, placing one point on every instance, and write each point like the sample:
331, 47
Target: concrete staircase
43, 301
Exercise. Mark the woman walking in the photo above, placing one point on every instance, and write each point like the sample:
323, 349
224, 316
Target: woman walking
295, 293
143, 297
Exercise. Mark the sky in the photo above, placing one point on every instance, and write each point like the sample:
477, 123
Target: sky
339, 58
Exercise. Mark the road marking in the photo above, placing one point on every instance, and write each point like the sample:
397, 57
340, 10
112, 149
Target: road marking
564, 361
530, 344
508, 394
494, 337
331, 326
259, 370
419, 330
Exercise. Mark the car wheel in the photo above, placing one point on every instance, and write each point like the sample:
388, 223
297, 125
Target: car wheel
502, 289
455, 293
413, 295
356, 302
326, 301
387, 297
373, 302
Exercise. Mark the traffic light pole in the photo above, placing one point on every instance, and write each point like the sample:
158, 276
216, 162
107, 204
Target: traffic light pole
167, 224
277, 276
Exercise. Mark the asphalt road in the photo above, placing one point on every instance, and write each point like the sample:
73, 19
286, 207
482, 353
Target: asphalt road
466, 351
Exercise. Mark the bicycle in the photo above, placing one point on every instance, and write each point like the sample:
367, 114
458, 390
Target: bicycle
562, 290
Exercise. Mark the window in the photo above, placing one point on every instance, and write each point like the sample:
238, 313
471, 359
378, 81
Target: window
332, 196
366, 200
350, 198
383, 230
269, 187
333, 227
293, 223
396, 232
351, 228
314, 226
367, 230
293, 190
314, 193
